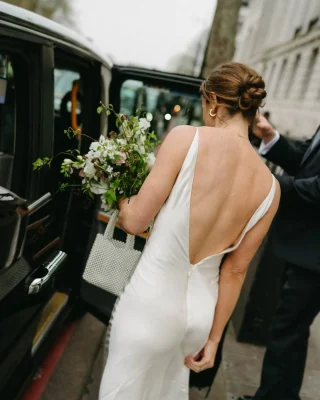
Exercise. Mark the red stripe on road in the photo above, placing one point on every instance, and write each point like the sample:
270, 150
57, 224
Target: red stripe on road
39, 384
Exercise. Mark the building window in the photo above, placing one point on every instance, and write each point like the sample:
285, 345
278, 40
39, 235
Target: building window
293, 74
309, 72
313, 23
297, 31
270, 75
280, 77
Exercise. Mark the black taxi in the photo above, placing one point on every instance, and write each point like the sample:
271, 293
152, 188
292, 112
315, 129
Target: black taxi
50, 79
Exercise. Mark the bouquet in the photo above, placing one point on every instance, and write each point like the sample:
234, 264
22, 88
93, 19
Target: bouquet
116, 166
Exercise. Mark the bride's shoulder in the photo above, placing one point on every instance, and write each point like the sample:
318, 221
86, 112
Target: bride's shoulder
183, 129
178, 141
182, 133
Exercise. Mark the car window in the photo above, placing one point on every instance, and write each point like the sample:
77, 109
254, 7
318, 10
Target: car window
63, 83
163, 107
7, 119
67, 89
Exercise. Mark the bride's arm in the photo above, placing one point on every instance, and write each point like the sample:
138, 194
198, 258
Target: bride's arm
234, 270
135, 216
232, 276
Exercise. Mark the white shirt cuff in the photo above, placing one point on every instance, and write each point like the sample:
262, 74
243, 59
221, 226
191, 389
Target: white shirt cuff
265, 147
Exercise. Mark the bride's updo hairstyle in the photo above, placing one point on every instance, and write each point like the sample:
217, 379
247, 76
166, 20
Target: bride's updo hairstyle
237, 87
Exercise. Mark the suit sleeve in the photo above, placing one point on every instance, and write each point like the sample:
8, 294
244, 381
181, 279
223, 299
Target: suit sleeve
305, 189
287, 155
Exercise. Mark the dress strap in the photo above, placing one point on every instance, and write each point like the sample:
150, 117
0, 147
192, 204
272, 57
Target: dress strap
183, 185
257, 216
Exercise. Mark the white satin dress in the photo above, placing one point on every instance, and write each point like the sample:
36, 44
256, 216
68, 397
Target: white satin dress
166, 310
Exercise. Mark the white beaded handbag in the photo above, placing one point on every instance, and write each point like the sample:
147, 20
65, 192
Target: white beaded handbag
111, 262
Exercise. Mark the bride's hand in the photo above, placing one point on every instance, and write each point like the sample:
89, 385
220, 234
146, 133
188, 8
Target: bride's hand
206, 357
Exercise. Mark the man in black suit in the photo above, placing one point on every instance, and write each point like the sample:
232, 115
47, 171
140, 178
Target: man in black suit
295, 238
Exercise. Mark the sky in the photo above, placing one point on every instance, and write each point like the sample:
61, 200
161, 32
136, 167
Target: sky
144, 32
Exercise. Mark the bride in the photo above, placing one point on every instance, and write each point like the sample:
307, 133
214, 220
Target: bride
212, 196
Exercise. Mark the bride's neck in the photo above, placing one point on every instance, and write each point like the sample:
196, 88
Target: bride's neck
237, 123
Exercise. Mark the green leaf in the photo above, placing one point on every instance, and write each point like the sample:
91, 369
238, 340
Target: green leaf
87, 191
99, 110
116, 183
40, 162
71, 133
108, 112
116, 157
110, 197
37, 164
63, 186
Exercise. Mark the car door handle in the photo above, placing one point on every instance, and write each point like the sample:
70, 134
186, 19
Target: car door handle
37, 204
44, 273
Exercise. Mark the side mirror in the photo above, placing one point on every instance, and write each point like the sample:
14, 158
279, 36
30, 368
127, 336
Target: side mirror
13, 226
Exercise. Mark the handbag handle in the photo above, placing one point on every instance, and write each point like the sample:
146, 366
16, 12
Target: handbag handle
109, 232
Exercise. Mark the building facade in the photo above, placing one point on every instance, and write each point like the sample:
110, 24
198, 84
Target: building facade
281, 40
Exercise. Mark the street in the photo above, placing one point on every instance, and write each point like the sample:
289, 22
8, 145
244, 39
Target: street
76, 374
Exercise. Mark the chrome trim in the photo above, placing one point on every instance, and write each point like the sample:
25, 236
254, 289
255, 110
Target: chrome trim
51, 266
37, 204
47, 328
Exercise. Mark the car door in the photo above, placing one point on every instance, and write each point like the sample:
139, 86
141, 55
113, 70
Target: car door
21, 202
40, 259
166, 100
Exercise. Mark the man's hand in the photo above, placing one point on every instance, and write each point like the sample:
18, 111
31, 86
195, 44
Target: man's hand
263, 129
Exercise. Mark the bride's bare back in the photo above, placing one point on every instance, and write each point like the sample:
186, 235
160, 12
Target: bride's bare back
230, 182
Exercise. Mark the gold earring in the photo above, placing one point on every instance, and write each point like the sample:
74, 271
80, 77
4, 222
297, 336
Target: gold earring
212, 115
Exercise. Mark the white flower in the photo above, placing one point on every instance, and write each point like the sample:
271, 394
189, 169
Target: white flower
102, 139
89, 169
121, 141
144, 124
67, 161
122, 156
150, 160
142, 139
97, 154
94, 146
124, 124
109, 149
99, 188
90, 154
109, 169
110, 153
78, 166
141, 150
105, 206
